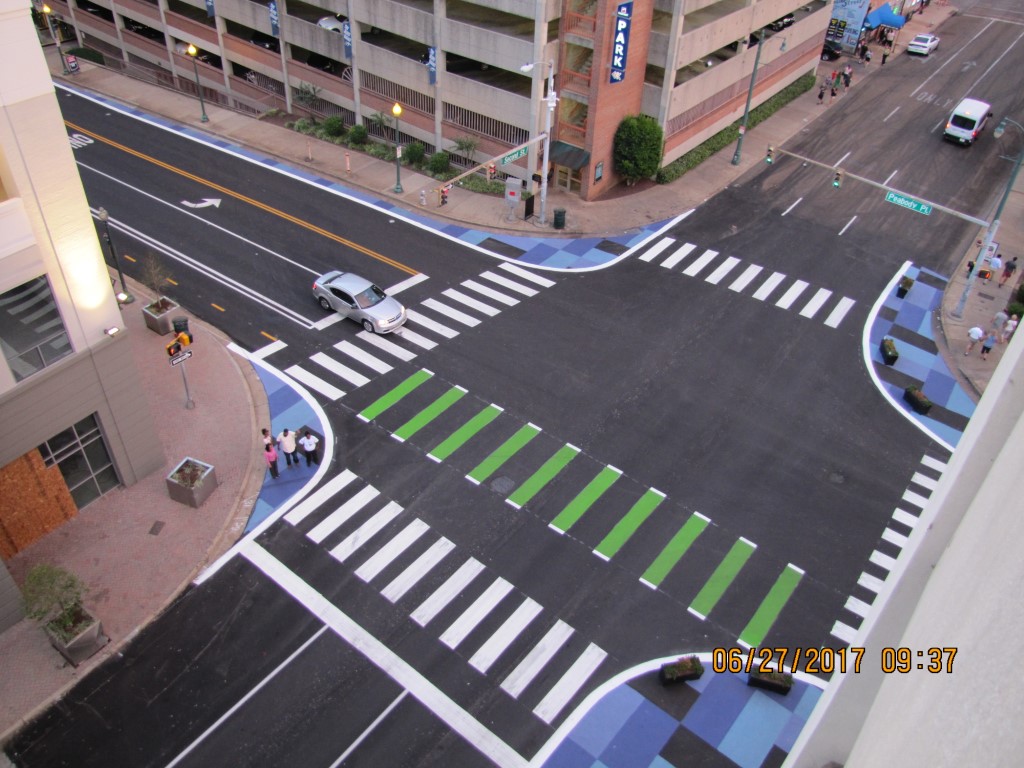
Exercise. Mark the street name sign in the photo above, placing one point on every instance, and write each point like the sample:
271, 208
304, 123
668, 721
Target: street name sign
181, 357
908, 202
511, 157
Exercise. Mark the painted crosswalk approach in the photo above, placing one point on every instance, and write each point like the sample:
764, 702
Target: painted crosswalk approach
762, 285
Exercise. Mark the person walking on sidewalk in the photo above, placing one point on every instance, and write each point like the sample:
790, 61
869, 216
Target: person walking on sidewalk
986, 347
267, 439
270, 456
286, 442
1008, 329
1008, 269
999, 322
308, 444
821, 95
885, 54
974, 335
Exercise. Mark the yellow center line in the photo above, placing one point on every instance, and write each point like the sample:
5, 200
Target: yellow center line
217, 306
272, 338
246, 199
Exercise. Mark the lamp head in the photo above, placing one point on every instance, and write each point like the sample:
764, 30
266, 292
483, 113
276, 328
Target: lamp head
192, 50
47, 9
527, 67
102, 213
396, 110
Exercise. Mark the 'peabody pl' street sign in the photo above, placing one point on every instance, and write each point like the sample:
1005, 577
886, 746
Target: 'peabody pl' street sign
908, 202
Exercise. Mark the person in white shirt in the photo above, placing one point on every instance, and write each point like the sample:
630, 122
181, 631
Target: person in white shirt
286, 441
308, 444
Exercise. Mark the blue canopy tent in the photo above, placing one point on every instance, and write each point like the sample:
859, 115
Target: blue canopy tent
884, 16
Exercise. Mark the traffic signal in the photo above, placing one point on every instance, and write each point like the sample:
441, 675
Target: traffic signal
444, 195
181, 340
770, 157
173, 348
837, 180
492, 172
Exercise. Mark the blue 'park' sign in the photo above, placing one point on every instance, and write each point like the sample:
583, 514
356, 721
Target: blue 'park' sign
620, 41
346, 37
275, 28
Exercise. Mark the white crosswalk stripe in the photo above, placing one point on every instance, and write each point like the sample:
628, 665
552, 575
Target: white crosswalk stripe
490, 293
369, 570
319, 496
419, 568
451, 313
415, 338
723, 269
469, 301
817, 301
768, 286
656, 249
386, 346
350, 349
526, 275
537, 659
433, 325
477, 612
702, 261
836, 316
339, 516
512, 285
678, 255
342, 371
570, 683
499, 642
366, 531
314, 382
444, 594
745, 279
791, 295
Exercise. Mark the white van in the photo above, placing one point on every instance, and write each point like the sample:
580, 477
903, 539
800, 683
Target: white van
967, 121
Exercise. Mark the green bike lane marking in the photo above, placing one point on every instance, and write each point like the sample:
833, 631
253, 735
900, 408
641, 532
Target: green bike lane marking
764, 617
543, 476
503, 453
723, 576
461, 436
576, 508
428, 414
388, 399
674, 550
629, 524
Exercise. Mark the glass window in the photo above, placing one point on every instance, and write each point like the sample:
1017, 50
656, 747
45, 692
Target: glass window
31, 330
84, 461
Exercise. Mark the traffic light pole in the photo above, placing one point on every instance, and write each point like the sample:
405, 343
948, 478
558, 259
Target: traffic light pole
189, 402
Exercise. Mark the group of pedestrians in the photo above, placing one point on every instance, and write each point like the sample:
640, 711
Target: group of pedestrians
836, 81
289, 443
1000, 332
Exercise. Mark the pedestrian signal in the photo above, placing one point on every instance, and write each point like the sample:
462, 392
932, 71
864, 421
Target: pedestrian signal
770, 157
173, 348
837, 180
492, 172
444, 196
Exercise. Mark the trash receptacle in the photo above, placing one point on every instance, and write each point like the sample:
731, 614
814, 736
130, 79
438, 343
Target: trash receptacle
180, 324
559, 218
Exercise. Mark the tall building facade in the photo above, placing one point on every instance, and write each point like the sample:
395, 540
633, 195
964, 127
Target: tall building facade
455, 66
76, 423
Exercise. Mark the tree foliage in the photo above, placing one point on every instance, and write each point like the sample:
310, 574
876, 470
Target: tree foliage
637, 149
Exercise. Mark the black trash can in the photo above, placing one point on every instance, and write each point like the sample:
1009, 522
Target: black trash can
559, 218
180, 324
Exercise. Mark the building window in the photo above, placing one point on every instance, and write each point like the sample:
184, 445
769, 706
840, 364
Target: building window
31, 330
84, 461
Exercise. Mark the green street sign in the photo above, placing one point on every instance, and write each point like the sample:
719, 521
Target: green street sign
513, 156
908, 202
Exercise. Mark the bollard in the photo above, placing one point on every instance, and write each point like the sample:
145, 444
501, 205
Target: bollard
423, 197
348, 163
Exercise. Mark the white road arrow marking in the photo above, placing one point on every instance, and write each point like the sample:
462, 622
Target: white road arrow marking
206, 202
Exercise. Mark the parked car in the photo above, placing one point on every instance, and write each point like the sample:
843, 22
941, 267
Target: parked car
831, 50
332, 23
779, 24
923, 44
358, 299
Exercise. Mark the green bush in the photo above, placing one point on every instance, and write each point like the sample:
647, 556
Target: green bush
358, 135
333, 127
414, 153
1015, 308
380, 151
637, 149
304, 125
1020, 294
477, 183
85, 53
439, 164
727, 136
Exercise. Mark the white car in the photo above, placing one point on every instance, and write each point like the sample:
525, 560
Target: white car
332, 23
923, 44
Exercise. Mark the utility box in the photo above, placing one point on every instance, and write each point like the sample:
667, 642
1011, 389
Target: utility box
513, 191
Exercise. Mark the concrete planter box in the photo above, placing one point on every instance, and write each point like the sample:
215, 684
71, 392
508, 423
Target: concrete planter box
158, 315
192, 482
86, 639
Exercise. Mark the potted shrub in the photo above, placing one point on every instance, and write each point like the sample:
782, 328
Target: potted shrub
157, 313
917, 399
904, 285
53, 597
686, 668
191, 482
889, 352
771, 680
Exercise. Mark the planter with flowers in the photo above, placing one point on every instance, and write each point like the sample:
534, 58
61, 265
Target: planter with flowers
889, 352
192, 482
917, 399
771, 680
53, 597
686, 668
904, 287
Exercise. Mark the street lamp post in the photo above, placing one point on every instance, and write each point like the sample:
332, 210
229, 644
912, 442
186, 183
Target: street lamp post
750, 95
48, 13
958, 311
193, 52
397, 112
552, 100
123, 297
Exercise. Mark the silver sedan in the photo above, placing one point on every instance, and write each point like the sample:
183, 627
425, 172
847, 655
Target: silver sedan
358, 299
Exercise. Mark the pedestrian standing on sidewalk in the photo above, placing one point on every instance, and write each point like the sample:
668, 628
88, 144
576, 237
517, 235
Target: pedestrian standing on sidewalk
1008, 269
999, 321
308, 445
833, 96
986, 347
286, 441
970, 268
974, 335
885, 54
994, 264
867, 55
1008, 329
821, 95
267, 439
270, 456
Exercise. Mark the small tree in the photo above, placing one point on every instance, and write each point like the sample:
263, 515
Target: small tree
307, 95
466, 146
53, 596
358, 135
637, 148
383, 122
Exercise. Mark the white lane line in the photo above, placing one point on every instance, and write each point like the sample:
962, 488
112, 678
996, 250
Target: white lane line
512, 285
409, 282
369, 729
447, 592
433, 325
366, 531
469, 301
350, 349
314, 382
657, 248
415, 338
526, 275
319, 496
342, 371
743, 280
870, 582
794, 205
724, 269
437, 702
419, 568
252, 692
570, 683
451, 313
836, 315
386, 346
499, 642
885, 120
536, 659
840, 160
477, 612
903, 517
791, 295
678, 255
889, 177
498, 296
381, 559
338, 517
268, 349
702, 261
935, 464
816, 302
844, 632
848, 225
768, 286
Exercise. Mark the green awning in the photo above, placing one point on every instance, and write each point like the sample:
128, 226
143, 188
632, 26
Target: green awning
568, 155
